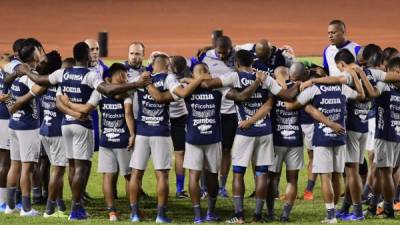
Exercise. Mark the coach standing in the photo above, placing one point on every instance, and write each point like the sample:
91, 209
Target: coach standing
338, 38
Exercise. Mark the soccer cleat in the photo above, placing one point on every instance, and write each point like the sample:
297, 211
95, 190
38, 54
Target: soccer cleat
113, 216
18, 206
352, 217
11, 211
30, 213
235, 220
308, 196
211, 217
3, 207
182, 194
79, 214
163, 219
284, 219
341, 215
329, 221
396, 206
58, 214
135, 218
198, 220
223, 193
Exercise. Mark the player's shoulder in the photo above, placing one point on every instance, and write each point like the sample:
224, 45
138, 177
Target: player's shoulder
211, 54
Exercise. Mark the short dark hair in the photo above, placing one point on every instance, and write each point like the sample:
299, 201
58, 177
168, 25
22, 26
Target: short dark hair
69, 61
393, 63
81, 52
389, 53
244, 58
372, 55
339, 23
34, 42
223, 42
116, 67
53, 63
27, 49
344, 55
179, 64
17, 44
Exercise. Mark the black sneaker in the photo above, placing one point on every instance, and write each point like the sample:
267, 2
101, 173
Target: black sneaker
38, 200
182, 194
257, 218
270, 217
284, 219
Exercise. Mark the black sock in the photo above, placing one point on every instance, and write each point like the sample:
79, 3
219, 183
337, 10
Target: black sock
75, 206
286, 210
238, 202
310, 185
11, 197
270, 206
211, 204
259, 206
50, 207
26, 203
197, 211
388, 206
134, 208
331, 213
61, 205
397, 196
357, 209
367, 190
346, 204
161, 211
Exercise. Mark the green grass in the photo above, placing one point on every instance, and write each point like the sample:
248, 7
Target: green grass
180, 210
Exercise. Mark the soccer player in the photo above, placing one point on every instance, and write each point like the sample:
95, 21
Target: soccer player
117, 135
78, 83
51, 139
257, 140
24, 128
337, 35
220, 60
153, 134
329, 147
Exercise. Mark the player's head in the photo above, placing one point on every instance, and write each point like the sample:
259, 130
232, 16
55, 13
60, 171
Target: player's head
118, 73
394, 65
136, 54
337, 32
388, 54
51, 63
31, 52
160, 63
94, 50
199, 69
223, 47
179, 66
81, 53
298, 72
17, 45
243, 58
215, 34
68, 62
344, 58
263, 49
372, 55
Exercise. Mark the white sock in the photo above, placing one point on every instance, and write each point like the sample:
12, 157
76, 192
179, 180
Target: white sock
3, 195
330, 205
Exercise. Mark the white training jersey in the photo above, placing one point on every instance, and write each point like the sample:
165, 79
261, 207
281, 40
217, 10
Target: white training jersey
330, 53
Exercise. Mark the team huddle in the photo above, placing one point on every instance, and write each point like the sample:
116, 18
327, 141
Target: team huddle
227, 107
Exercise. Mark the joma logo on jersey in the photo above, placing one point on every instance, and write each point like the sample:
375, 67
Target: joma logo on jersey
202, 97
394, 98
68, 76
112, 106
330, 88
330, 101
71, 89
246, 82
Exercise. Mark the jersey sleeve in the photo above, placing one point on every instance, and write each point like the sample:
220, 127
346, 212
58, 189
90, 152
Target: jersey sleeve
171, 83
307, 95
382, 87
379, 75
11, 66
230, 79
56, 77
95, 98
59, 92
272, 85
128, 100
92, 79
349, 92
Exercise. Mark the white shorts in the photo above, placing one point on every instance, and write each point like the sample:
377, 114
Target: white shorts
329, 159
79, 142
24, 145
198, 157
387, 153
158, 148
356, 144
54, 147
114, 160
4, 135
308, 132
371, 134
292, 156
259, 150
